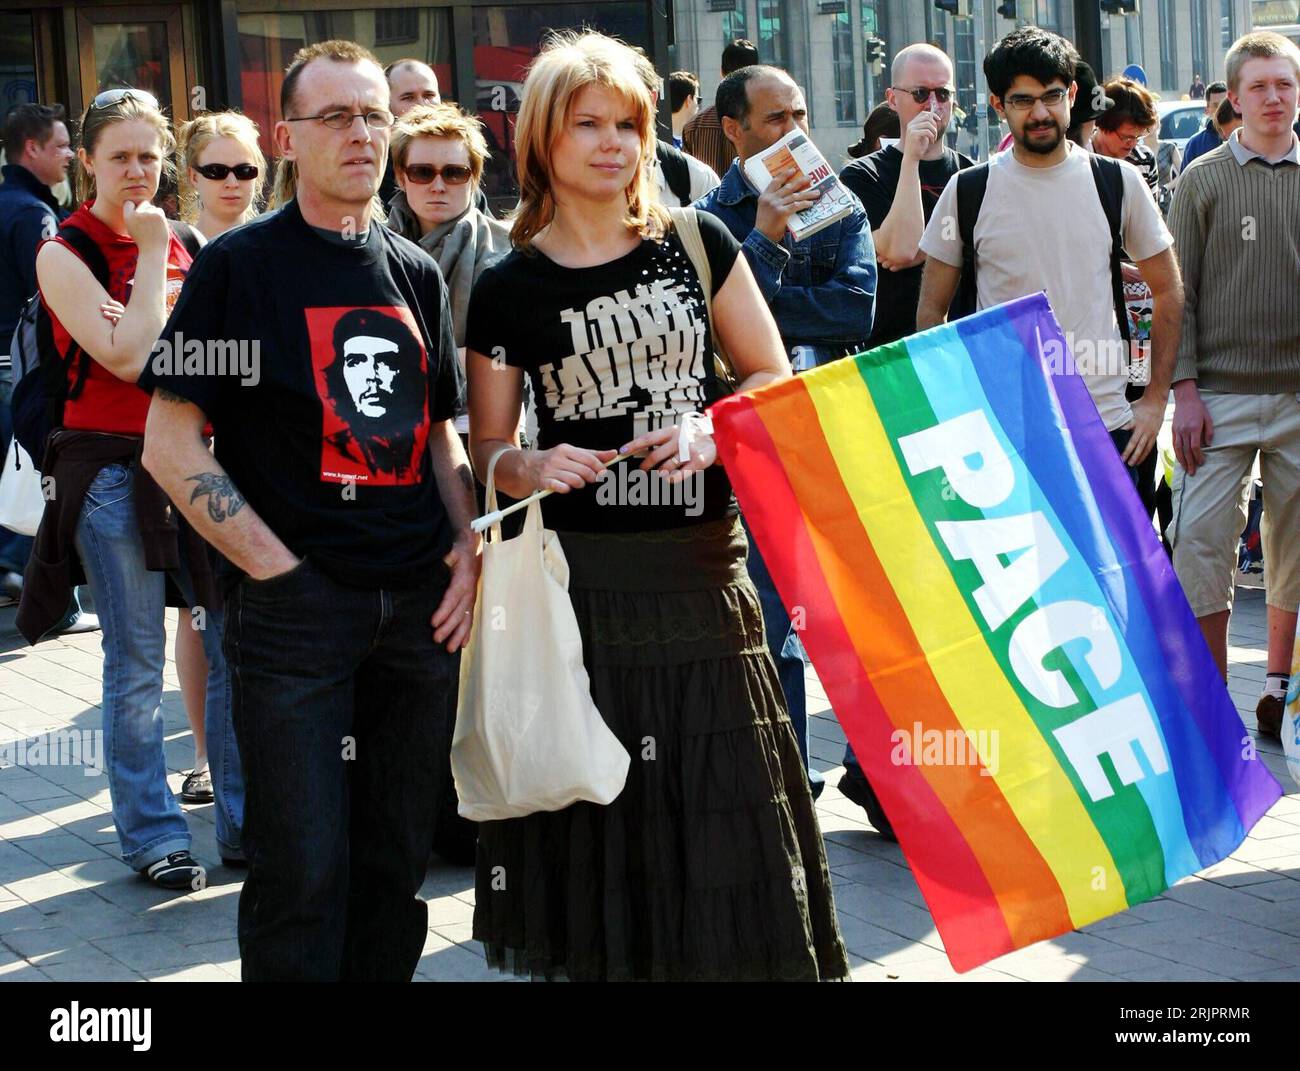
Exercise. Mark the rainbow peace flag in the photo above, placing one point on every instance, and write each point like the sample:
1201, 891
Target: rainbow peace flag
997, 627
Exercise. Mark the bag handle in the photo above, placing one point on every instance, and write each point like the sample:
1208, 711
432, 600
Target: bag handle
490, 500
688, 230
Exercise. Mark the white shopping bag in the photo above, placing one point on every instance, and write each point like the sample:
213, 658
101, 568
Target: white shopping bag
528, 736
1291, 715
21, 499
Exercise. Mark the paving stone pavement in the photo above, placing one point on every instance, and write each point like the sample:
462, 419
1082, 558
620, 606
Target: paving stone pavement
71, 911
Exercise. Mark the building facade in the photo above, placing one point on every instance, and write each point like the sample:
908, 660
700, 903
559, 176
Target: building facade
825, 44
197, 55
208, 54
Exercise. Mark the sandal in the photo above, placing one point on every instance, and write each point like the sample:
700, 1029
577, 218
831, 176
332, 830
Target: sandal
197, 786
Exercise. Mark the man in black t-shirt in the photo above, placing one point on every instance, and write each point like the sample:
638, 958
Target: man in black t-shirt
319, 346
900, 185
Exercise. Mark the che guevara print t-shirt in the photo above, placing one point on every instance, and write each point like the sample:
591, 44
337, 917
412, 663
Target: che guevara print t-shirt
322, 368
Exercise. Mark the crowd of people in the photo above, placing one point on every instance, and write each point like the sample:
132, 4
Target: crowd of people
311, 515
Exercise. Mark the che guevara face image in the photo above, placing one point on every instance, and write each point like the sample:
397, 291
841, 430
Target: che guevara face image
376, 385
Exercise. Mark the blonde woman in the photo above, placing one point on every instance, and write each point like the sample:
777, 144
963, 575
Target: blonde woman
710, 864
110, 519
222, 173
222, 181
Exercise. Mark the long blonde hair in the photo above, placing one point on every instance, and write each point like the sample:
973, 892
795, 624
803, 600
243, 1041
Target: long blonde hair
94, 121
568, 63
197, 135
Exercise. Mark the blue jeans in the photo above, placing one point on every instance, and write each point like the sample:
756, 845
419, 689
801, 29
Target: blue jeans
130, 600
344, 707
785, 647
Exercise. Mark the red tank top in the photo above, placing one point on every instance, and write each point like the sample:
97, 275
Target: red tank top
107, 403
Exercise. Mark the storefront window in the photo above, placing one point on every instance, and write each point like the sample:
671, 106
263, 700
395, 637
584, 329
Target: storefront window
734, 24
267, 43
1266, 14
505, 41
846, 89
17, 62
132, 55
870, 15
771, 41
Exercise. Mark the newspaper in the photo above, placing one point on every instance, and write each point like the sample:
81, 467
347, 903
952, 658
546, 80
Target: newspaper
796, 150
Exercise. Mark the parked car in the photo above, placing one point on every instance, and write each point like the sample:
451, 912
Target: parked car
1180, 120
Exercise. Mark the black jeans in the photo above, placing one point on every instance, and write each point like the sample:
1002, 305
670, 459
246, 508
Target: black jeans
1143, 475
342, 703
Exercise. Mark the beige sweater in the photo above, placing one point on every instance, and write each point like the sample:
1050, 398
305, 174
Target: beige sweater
1237, 235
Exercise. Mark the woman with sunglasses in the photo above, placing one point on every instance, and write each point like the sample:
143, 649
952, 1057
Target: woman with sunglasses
438, 157
222, 178
709, 864
110, 519
222, 173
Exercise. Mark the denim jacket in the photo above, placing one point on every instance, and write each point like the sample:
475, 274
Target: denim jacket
822, 291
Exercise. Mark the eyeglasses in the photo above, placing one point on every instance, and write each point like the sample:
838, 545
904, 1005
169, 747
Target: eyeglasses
218, 172
341, 120
921, 94
1022, 102
452, 174
110, 97
1129, 141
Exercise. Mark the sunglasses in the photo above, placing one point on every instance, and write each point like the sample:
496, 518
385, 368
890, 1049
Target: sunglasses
921, 94
110, 97
452, 174
218, 172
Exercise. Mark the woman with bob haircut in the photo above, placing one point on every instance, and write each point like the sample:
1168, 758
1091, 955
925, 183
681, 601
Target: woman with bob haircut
709, 864
438, 158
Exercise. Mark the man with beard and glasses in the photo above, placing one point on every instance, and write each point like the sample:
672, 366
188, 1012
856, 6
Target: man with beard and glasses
1042, 225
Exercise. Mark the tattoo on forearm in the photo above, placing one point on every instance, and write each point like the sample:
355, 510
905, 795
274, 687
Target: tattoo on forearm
466, 478
224, 500
168, 396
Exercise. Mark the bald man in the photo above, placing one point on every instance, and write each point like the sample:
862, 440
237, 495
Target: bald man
410, 82
899, 187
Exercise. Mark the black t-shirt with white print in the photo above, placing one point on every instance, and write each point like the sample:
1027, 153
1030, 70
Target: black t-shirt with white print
612, 351
352, 361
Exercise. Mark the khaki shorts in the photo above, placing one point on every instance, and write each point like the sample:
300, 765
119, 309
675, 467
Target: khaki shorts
1210, 506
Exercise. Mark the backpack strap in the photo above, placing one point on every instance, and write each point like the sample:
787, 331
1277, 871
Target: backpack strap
1109, 178
87, 249
187, 236
972, 184
92, 256
677, 172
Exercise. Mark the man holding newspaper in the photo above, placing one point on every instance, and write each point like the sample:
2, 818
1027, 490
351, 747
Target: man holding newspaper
808, 243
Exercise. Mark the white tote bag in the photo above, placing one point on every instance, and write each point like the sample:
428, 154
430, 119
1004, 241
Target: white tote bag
528, 736
21, 499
